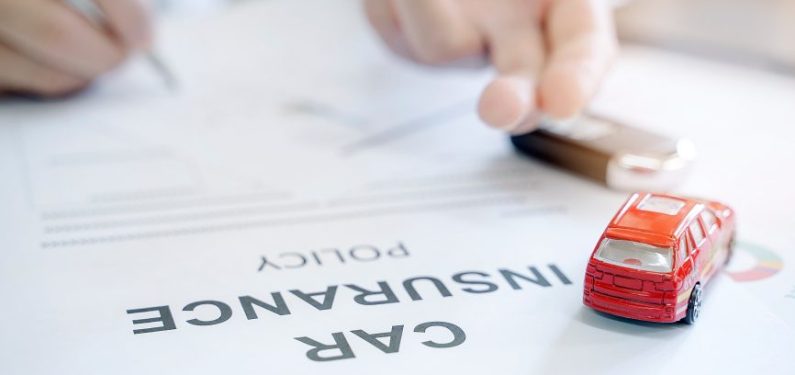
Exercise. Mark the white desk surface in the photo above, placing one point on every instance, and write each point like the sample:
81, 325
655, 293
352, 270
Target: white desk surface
295, 132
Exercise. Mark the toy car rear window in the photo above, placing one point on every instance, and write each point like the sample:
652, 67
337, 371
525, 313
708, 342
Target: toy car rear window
635, 255
662, 205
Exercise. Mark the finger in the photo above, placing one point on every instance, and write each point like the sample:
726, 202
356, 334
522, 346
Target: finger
21, 74
437, 31
582, 43
382, 17
50, 33
517, 53
129, 21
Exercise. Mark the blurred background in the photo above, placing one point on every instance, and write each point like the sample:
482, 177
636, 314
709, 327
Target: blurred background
758, 33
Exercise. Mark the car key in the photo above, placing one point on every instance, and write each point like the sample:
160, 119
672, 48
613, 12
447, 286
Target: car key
618, 155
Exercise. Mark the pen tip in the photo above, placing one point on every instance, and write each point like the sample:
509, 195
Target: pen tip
169, 79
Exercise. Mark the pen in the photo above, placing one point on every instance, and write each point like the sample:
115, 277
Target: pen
95, 15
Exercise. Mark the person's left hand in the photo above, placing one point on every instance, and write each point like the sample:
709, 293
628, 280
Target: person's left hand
550, 54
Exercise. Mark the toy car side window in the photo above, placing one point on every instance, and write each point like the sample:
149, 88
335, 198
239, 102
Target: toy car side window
697, 233
710, 222
682, 251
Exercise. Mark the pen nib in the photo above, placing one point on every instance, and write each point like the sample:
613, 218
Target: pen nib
169, 79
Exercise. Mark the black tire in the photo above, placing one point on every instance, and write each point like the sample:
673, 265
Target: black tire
694, 305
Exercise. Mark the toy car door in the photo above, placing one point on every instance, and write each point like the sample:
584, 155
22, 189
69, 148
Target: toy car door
717, 245
686, 270
701, 248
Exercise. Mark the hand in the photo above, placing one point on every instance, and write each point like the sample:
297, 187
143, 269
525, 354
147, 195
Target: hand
550, 55
48, 49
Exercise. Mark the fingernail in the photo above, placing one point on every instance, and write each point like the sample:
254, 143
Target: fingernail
551, 121
506, 102
527, 125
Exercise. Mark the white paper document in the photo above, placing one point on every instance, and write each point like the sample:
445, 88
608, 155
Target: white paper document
307, 203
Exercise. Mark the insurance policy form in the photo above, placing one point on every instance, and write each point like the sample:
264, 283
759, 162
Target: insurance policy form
306, 203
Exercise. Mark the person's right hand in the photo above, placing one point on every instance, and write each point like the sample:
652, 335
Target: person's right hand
48, 49
550, 55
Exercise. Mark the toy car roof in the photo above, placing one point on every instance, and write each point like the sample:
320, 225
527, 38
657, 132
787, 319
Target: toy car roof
653, 218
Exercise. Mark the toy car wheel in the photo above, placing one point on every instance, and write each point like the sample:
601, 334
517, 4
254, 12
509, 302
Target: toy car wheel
694, 305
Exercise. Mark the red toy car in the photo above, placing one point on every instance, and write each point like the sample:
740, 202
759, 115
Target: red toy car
656, 255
